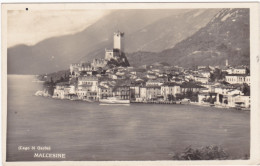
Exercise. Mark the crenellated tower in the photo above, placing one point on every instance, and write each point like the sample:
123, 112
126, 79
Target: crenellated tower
118, 41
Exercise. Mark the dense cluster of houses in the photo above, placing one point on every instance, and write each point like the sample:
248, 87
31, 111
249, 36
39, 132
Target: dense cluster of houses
154, 83
93, 81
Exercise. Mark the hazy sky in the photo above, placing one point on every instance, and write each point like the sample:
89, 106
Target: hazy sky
30, 27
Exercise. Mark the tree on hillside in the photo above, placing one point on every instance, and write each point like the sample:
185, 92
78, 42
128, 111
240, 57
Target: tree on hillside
217, 75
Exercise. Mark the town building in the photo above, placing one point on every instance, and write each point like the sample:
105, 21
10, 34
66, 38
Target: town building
82, 91
209, 87
205, 73
201, 79
237, 79
170, 88
122, 92
239, 101
150, 92
135, 91
233, 98
89, 80
190, 87
105, 92
62, 90
155, 82
237, 70
98, 63
77, 68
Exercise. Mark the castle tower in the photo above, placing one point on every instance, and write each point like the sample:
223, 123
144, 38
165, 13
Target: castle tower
118, 41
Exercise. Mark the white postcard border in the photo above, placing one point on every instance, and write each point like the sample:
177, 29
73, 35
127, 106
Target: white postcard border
254, 67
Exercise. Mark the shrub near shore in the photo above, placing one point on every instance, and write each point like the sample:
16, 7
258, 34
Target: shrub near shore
212, 152
203, 153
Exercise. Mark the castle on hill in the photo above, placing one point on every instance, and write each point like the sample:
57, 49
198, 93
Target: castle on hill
113, 57
118, 47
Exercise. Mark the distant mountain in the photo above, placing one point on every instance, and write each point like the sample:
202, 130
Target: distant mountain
146, 30
226, 36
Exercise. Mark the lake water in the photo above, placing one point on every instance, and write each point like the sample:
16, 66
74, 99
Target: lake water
89, 131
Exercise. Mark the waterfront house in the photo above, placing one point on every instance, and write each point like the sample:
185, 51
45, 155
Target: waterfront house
122, 92
228, 96
104, 91
72, 89
170, 88
82, 91
239, 101
92, 95
62, 90
135, 90
150, 92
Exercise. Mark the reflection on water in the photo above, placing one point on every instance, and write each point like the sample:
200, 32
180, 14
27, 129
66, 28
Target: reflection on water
90, 131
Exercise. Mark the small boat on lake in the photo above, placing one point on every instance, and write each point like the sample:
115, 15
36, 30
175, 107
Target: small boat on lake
185, 101
114, 100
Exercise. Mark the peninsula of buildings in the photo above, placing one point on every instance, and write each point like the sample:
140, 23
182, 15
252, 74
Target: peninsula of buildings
219, 86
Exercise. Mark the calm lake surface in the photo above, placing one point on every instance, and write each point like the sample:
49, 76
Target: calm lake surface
89, 131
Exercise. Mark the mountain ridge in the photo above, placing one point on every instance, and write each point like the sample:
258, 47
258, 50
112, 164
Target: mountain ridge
58, 52
211, 45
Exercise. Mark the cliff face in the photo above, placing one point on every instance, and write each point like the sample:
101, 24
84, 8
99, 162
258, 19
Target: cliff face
226, 36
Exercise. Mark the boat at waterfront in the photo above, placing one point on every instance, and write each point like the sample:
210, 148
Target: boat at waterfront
185, 101
114, 100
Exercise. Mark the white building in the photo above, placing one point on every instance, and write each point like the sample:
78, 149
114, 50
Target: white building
237, 79
170, 89
89, 80
156, 82
232, 98
61, 91
201, 79
205, 74
237, 70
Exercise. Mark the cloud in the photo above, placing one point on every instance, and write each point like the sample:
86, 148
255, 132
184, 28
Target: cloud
31, 27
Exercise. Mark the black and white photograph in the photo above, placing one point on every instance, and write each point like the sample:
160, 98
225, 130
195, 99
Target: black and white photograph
112, 83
